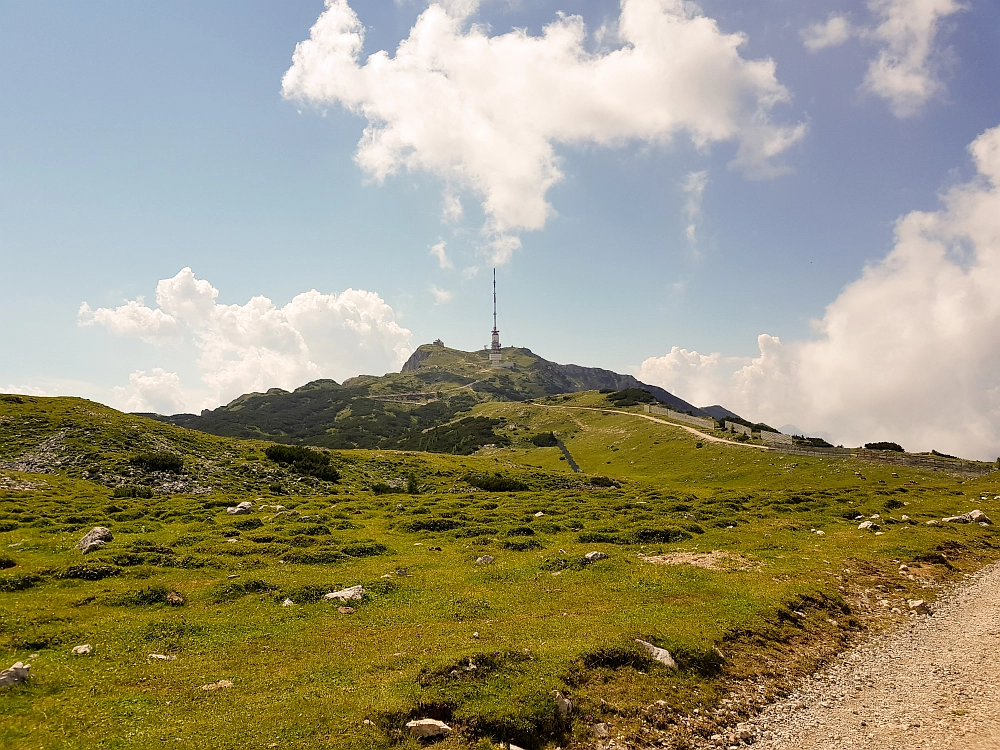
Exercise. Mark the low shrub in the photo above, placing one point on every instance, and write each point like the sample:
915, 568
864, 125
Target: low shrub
8, 524
133, 491
7, 562
151, 595
230, 592
885, 446
521, 545
544, 440
302, 460
604, 482
158, 461
19, 582
322, 556
90, 571
495, 482
432, 524
364, 549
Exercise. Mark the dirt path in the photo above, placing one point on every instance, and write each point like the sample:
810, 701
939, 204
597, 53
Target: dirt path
692, 430
933, 684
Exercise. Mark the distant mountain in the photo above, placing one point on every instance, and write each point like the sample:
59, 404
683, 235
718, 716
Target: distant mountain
403, 410
720, 413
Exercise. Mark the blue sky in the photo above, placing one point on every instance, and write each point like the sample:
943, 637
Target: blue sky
140, 140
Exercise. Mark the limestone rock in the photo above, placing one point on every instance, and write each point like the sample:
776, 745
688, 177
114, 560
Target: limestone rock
98, 534
595, 556
866, 526
288, 603
484, 560
82, 650
601, 730
563, 704
15, 675
427, 728
919, 606
977, 516
220, 685
539, 514
964, 518
346, 610
174, 599
93, 547
350, 594
240, 510
163, 657
659, 654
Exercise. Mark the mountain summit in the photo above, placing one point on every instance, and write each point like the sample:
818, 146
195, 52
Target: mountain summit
401, 410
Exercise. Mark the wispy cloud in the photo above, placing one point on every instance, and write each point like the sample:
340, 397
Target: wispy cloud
438, 251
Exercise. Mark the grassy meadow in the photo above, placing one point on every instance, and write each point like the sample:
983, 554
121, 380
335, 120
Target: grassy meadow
713, 553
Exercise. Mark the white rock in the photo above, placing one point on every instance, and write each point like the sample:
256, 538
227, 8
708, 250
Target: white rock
904, 518
875, 516
350, 594
539, 514
817, 532
163, 657
660, 654
427, 728
919, 606
82, 650
865, 525
601, 730
93, 547
15, 675
241, 510
288, 603
957, 519
484, 560
563, 704
595, 556
96, 534
977, 516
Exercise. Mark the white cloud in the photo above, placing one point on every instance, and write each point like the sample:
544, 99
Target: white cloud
440, 295
451, 208
905, 71
438, 251
833, 33
694, 187
255, 346
909, 352
485, 113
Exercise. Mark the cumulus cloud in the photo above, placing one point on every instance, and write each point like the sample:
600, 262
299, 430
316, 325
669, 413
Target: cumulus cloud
486, 113
255, 346
905, 71
909, 352
439, 252
834, 32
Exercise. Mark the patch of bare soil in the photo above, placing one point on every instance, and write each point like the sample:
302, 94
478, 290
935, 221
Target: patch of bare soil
714, 560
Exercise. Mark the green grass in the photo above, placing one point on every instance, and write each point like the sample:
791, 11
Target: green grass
308, 675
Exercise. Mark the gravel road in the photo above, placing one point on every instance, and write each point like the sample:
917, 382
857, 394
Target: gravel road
935, 683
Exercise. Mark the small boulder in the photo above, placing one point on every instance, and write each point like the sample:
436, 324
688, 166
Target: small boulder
350, 594
423, 728
659, 654
905, 518
563, 704
964, 518
867, 526
539, 514
83, 650
15, 675
240, 510
346, 610
174, 599
163, 657
595, 556
484, 560
288, 603
977, 516
96, 534
220, 685
93, 547
919, 606
601, 730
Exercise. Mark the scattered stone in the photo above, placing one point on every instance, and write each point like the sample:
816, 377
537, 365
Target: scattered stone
659, 654
17, 674
904, 568
427, 728
905, 518
174, 599
484, 560
346, 610
919, 606
595, 556
220, 685
539, 514
977, 516
964, 518
94, 539
288, 603
475, 634
866, 526
83, 650
233, 575
932, 522
563, 704
163, 657
240, 510
601, 730
350, 594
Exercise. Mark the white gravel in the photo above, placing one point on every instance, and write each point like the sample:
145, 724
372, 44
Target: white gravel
934, 683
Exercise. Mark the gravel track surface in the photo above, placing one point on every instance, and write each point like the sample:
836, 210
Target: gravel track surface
934, 683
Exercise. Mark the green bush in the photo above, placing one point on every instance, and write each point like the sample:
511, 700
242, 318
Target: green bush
496, 482
302, 460
158, 461
8, 524
544, 440
632, 397
133, 491
230, 592
364, 549
885, 446
521, 545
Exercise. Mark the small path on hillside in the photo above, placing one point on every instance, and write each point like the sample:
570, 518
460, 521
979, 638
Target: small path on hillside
692, 430
935, 683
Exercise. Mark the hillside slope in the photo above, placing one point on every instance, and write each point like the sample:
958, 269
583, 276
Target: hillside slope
395, 410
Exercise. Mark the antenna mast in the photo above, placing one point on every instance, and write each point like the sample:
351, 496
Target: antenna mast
495, 301
496, 356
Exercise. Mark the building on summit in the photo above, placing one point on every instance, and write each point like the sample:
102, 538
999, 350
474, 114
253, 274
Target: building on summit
496, 356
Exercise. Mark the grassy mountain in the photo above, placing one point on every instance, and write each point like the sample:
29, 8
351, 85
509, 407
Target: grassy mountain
712, 553
398, 410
